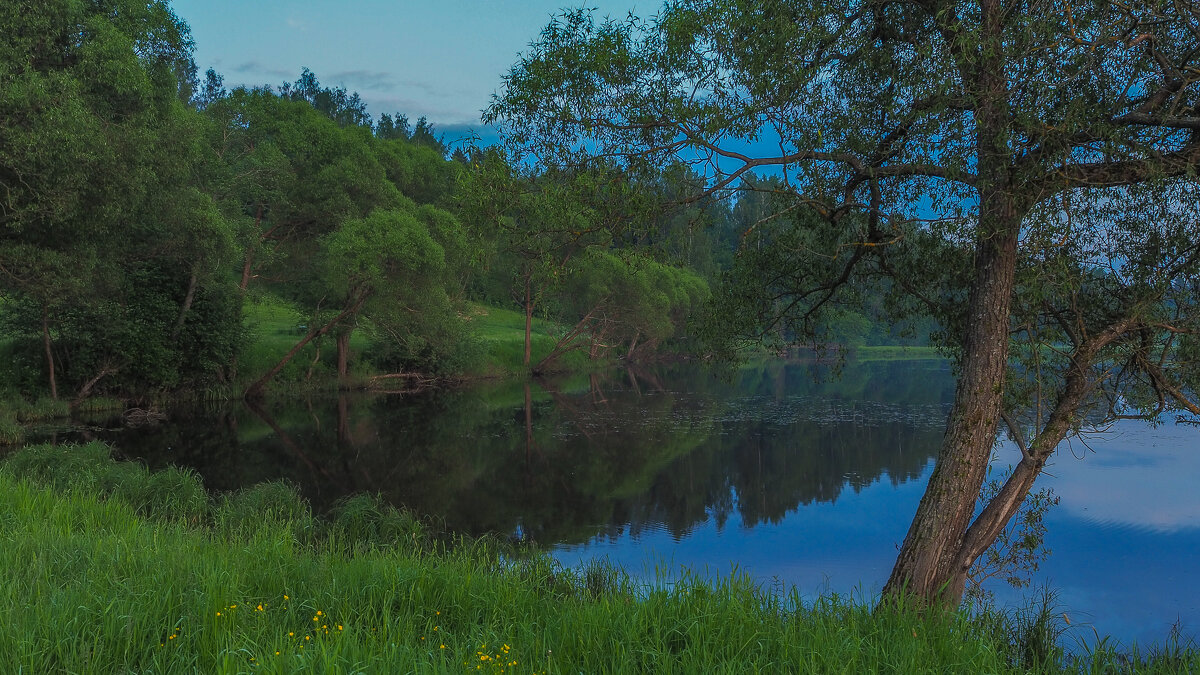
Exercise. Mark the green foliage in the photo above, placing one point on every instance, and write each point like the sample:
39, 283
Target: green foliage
108, 223
630, 296
173, 494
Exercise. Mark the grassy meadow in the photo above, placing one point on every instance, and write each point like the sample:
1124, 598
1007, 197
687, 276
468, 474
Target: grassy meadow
111, 568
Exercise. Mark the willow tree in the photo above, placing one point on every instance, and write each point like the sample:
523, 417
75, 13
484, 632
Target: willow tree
1022, 170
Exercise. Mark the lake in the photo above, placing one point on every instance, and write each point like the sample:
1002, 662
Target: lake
789, 472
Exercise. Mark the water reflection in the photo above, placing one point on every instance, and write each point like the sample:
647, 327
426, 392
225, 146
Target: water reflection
564, 461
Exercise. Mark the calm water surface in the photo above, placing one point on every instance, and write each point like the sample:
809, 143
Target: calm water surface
769, 472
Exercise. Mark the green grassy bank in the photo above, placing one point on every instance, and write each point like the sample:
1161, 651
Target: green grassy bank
109, 568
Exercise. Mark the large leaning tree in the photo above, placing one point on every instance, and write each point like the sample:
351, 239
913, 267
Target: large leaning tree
1024, 171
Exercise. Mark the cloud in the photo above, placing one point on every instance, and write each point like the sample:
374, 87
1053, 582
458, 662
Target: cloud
1139, 476
362, 80
256, 68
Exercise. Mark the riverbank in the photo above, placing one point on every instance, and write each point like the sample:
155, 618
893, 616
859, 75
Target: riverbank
111, 568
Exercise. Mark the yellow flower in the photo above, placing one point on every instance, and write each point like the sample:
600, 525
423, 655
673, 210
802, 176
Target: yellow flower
286, 598
307, 637
443, 646
233, 607
218, 614
259, 608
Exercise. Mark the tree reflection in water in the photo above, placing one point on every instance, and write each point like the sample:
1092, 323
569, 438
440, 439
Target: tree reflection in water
567, 460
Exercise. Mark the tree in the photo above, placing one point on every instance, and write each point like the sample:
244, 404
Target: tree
103, 195
626, 299
537, 224
1023, 172
389, 257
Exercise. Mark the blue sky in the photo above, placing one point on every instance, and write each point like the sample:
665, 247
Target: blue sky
439, 59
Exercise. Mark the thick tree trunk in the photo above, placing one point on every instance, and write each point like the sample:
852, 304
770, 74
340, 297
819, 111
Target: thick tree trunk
49, 351
929, 566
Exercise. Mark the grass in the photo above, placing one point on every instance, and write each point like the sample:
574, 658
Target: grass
17, 412
503, 334
113, 569
274, 327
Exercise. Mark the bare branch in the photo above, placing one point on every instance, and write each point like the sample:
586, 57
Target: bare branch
1017, 435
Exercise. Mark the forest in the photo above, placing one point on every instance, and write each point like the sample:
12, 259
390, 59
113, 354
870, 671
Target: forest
162, 235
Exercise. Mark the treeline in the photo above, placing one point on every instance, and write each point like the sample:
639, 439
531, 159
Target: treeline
141, 208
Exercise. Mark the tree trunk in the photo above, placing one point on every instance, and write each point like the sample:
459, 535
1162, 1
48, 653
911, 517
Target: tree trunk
343, 354
247, 265
49, 351
930, 567
187, 301
528, 321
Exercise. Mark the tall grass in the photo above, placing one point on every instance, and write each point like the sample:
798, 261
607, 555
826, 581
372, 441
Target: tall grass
151, 580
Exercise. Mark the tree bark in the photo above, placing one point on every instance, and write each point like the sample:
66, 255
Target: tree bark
929, 566
49, 351
343, 354
528, 321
